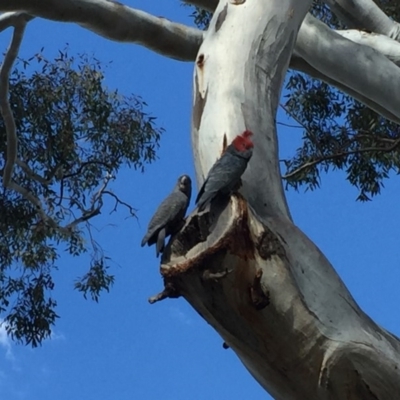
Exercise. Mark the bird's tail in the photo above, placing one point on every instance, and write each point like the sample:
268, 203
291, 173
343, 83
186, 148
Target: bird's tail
160, 241
144, 240
204, 200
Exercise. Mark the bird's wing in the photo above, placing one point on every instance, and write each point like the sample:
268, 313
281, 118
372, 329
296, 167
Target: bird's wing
221, 175
169, 209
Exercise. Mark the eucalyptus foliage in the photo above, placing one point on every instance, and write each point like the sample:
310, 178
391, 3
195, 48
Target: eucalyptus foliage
74, 136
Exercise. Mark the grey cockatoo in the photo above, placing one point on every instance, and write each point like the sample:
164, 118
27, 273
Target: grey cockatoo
169, 215
224, 175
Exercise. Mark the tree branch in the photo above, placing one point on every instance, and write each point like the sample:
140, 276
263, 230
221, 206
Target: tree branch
27, 195
12, 19
366, 15
117, 22
84, 165
132, 211
9, 122
393, 144
319, 160
301, 65
390, 48
343, 60
31, 174
95, 208
96, 204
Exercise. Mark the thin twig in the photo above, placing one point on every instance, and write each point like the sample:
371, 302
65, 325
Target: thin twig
289, 125
93, 210
85, 164
294, 117
339, 155
132, 211
9, 122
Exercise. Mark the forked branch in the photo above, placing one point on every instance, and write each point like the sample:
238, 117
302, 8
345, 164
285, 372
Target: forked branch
342, 154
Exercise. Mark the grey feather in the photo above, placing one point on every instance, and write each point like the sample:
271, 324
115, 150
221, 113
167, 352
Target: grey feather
224, 175
168, 217
160, 241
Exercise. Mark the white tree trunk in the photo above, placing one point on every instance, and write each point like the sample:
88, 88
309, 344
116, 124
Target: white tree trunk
244, 266
312, 341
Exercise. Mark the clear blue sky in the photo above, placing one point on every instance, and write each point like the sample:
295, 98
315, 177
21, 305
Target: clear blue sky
123, 348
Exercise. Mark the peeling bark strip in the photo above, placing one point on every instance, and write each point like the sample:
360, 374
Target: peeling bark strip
207, 274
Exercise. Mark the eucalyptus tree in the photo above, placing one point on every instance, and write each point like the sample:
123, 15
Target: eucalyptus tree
244, 266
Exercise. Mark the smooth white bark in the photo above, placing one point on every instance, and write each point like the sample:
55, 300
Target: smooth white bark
365, 15
358, 67
232, 55
117, 22
390, 48
301, 65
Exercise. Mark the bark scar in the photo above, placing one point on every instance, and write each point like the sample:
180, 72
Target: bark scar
268, 245
208, 275
224, 144
200, 96
259, 298
221, 18
235, 240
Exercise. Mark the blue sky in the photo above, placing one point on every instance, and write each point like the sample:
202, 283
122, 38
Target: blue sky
123, 348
